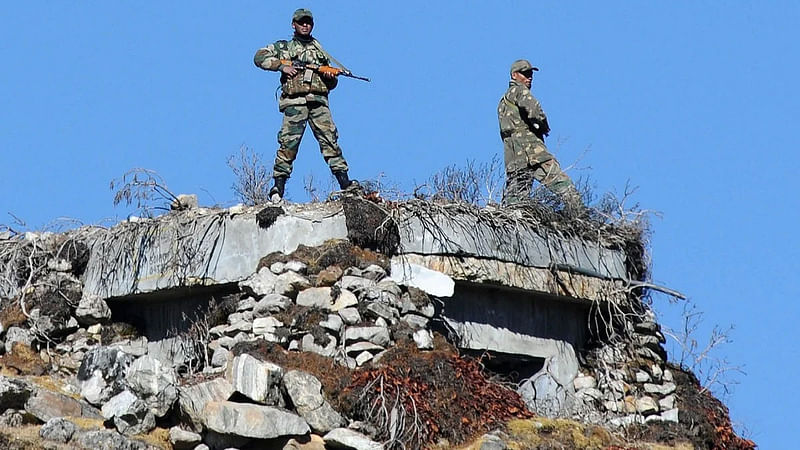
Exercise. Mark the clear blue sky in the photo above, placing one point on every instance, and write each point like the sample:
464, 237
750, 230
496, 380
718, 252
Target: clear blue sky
694, 102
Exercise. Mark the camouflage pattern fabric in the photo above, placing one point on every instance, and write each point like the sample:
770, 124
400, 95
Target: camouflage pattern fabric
307, 84
304, 99
294, 125
523, 124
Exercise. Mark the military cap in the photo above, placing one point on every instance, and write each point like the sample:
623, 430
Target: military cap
300, 13
522, 65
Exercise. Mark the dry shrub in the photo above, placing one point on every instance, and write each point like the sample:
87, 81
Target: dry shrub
415, 398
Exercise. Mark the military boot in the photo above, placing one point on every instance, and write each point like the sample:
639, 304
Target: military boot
344, 181
276, 193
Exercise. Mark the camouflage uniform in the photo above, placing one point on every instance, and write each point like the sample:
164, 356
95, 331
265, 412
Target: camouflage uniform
304, 98
523, 126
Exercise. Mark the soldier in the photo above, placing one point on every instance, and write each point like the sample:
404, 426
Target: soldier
304, 98
523, 127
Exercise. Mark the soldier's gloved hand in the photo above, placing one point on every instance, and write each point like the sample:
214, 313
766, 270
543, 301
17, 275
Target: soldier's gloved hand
289, 70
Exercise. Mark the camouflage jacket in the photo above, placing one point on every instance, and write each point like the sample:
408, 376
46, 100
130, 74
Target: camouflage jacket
307, 85
520, 112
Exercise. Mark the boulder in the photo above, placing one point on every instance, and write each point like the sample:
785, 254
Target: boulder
266, 325
318, 297
102, 373
305, 391
253, 421
257, 380
260, 284
17, 334
329, 276
309, 344
45, 405
192, 399
423, 339
350, 439
92, 309
290, 284
350, 315
345, 299
14, 393
183, 439
270, 304
376, 335
108, 440
154, 383
58, 430
333, 323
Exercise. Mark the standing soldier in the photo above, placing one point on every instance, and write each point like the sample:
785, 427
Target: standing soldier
304, 98
523, 127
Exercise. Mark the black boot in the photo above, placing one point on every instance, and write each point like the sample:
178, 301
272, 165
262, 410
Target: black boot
277, 189
344, 181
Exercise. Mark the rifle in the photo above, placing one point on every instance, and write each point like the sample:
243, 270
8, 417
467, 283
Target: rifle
329, 70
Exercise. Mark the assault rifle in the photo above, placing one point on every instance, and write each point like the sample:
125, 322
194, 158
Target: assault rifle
329, 70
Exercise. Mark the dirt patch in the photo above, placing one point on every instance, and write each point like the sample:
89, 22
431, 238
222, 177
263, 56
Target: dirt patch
11, 315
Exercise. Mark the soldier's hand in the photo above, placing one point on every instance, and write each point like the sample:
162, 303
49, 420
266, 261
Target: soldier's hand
289, 70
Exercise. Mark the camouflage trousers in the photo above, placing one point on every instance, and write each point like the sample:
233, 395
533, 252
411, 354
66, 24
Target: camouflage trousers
526, 160
295, 117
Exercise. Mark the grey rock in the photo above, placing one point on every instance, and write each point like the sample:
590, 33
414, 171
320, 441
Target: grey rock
309, 345
14, 393
591, 393
117, 404
266, 325
134, 347
415, 321
432, 282
270, 304
260, 284
381, 322
373, 272
227, 342
102, 373
12, 418
305, 391
290, 283
137, 418
390, 286
183, 439
108, 440
346, 299
376, 335
423, 339
646, 405
656, 371
246, 304
334, 323
277, 267
297, 266
253, 421
319, 297
363, 346
17, 334
202, 447
670, 415
58, 430
218, 441
192, 399
384, 310
662, 389
667, 402
45, 405
183, 202
668, 376
220, 357
356, 285
350, 315
350, 439
92, 309
493, 441
584, 382
257, 380
155, 383
642, 377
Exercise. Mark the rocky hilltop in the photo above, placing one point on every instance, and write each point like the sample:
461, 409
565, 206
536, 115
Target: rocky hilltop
347, 324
